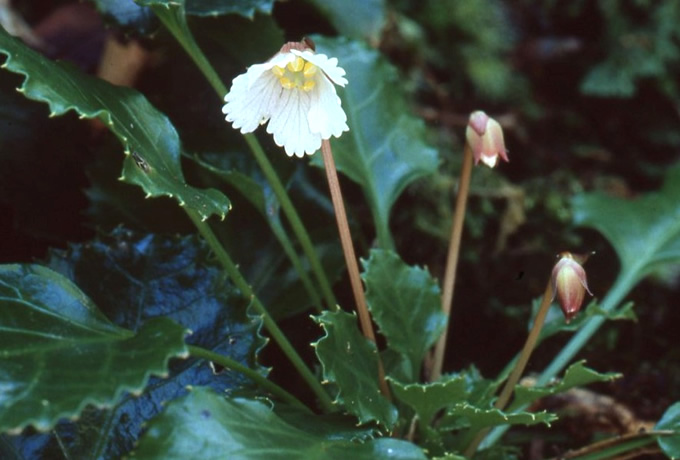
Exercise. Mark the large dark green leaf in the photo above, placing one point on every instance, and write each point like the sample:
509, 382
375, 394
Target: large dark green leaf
60, 353
133, 278
151, 143
645, 232
385, 149
405, 302
350, 361
205, 425
360, 19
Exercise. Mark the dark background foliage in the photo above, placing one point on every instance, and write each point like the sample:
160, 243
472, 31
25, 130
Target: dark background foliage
587, 93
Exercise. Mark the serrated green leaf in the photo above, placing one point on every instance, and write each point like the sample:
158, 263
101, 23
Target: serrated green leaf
385, 149
205, 425
576, 375
429, 398
555, 322
60, 353
350, 361
483, 418
405, 303
360, 19
151, 143
670, 420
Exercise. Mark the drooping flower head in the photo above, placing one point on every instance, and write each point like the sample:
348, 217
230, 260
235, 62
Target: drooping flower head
569, 283
295, 92
485, 137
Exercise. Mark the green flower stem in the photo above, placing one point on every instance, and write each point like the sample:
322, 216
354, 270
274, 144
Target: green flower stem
293, 218
269, 324
615, 296
452, 260
175, 21
521, 364
287, 246
350, 257
198, 352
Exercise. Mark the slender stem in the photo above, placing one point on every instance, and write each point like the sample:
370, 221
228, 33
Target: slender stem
615, 296
287, 246
516, 373
529, 345
174, 19
452, 259
175, 22
271, 326
350, 256
225, 361
293, 218
274, 224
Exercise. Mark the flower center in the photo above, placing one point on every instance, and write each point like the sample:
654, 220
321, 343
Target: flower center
297, 74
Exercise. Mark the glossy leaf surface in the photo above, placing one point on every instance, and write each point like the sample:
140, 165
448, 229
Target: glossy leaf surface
207, 425
60, 353
134, 278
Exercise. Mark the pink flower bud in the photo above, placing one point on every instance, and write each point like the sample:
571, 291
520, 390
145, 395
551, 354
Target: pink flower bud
569, 283
485, 137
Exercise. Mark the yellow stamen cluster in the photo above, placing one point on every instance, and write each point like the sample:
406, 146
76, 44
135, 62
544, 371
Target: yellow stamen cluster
297, 74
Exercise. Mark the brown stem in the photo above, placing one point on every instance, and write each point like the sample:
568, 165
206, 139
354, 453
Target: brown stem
521, 364
350, 257
452, 259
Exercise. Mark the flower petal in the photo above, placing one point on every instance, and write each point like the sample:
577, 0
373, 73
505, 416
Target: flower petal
250, 103
289, 124
326, 116
329, 66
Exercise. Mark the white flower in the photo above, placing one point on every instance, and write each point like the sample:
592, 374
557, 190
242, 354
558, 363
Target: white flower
295, 92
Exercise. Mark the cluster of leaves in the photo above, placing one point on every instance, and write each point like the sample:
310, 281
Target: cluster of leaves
97, 338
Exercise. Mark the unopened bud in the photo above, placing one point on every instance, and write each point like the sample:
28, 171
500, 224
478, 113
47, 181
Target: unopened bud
569, 283
485, 137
